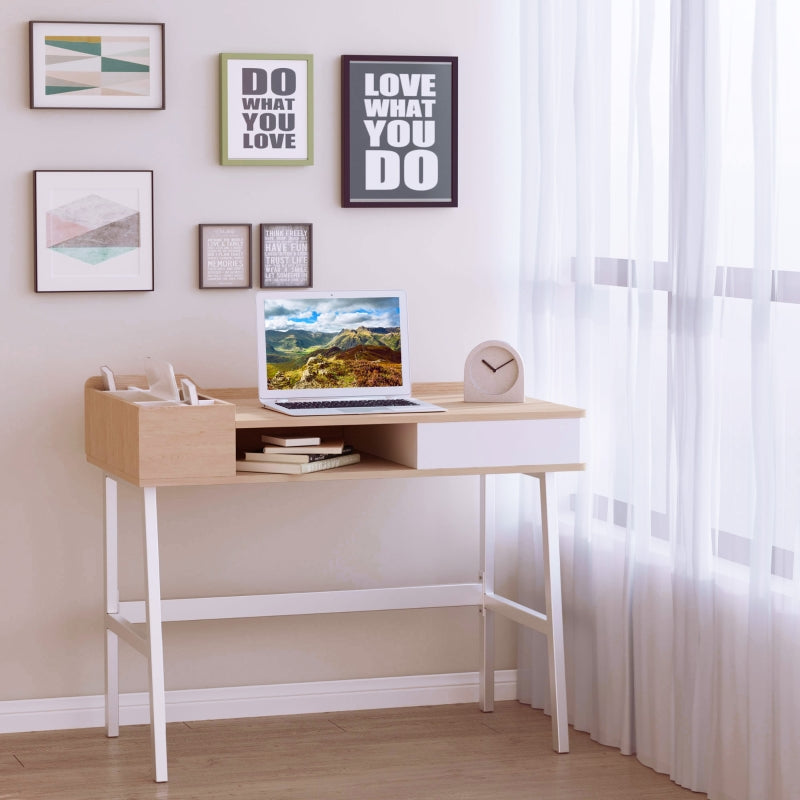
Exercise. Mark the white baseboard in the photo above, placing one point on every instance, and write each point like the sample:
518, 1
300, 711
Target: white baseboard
184, 705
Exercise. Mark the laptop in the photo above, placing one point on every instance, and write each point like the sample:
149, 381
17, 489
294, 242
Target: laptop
334, 353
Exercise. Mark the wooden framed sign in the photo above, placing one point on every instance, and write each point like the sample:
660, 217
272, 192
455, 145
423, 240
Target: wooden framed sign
225, 261
285, 255
399, 131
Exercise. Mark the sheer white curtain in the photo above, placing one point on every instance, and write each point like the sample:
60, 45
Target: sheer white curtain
660, 291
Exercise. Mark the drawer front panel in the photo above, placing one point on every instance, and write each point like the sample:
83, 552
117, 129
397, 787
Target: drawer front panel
498, 443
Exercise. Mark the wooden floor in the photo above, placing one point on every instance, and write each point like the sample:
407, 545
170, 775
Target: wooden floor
426, 753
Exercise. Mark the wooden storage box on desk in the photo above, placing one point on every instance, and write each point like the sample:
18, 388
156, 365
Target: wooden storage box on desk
158, 445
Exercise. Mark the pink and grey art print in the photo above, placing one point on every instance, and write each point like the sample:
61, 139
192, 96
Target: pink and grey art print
94, 231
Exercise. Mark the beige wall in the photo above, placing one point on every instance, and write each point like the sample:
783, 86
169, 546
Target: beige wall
457, 266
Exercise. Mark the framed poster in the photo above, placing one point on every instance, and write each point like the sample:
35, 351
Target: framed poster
225, 260
266, 109
399, 131
96, 65
285, 255
93, 231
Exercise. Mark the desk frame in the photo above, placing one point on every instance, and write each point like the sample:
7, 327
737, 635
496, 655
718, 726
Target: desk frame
120, 617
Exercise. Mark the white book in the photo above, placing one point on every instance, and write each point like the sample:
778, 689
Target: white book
290, 440
334, 446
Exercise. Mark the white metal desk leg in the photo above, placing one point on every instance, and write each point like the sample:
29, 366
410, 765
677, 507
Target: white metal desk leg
112, 605
552, 588
155, 659
487, 577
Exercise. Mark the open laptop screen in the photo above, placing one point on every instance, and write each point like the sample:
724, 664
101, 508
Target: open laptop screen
331, 344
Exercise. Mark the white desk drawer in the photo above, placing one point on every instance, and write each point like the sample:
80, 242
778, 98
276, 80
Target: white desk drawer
498, 444
475, 445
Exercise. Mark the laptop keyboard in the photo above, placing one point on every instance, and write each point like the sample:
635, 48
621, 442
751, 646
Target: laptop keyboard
378, 403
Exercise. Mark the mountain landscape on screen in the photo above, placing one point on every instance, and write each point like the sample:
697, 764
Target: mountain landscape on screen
362, 356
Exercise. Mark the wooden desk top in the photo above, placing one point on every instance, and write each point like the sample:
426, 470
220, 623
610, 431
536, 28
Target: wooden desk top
250, 413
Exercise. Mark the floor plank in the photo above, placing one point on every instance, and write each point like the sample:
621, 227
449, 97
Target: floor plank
452, 752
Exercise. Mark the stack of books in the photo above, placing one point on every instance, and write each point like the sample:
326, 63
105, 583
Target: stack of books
297, 454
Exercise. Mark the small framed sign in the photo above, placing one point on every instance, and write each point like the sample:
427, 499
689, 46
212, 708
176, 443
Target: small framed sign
399, 131
266, 109
96, 65
285, 255
93, 230
225, 256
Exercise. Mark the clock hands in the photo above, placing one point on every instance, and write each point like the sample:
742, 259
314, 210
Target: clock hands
494, 369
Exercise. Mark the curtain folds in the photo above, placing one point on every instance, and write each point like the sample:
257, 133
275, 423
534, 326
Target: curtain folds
656, 223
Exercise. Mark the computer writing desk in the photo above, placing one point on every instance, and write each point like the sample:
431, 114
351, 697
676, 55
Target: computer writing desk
153, 447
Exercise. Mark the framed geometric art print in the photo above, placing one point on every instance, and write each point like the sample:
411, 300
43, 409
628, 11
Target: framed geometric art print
93, 231
96, 65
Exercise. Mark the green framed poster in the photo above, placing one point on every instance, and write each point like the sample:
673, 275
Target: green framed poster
266, 109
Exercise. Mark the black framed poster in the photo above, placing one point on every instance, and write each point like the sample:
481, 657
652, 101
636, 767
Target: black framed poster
399, 131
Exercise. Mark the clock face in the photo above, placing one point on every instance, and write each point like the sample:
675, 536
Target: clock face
493, 369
